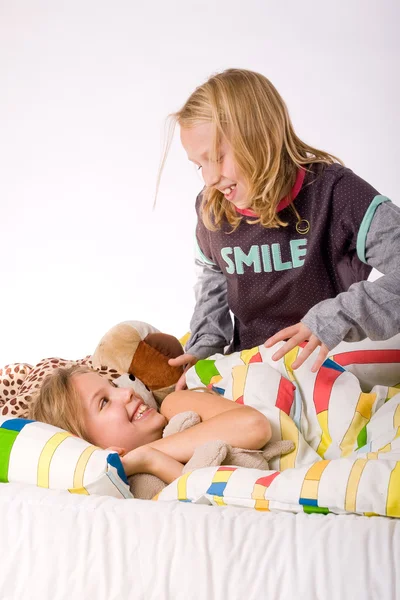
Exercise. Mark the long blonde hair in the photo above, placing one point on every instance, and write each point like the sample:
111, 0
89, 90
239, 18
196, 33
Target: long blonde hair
57, 401
247, 111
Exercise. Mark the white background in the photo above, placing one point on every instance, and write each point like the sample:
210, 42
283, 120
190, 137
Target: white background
85, 87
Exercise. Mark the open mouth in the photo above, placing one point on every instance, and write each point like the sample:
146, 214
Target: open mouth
141, 410
229, 191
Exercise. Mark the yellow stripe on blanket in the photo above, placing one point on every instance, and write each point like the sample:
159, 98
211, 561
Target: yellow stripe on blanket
258, 494
393, 497
219, 500
83, 491
396, 417
184, 339
239, 375
289, 359
309, 489
362, 416
182, 486
289, 431
396, 425
326, 439
81, 466
352, 484
247, 355
262, 505
43, 472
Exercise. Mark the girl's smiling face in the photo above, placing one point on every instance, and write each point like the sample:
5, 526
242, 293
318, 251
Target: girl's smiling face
115, 416
222, 175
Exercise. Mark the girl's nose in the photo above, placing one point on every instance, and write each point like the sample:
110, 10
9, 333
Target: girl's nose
125, 395
211, 175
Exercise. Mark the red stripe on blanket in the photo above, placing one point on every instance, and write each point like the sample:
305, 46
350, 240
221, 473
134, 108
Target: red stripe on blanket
366, 357
285, 395
324, 381
266, 481
256, 358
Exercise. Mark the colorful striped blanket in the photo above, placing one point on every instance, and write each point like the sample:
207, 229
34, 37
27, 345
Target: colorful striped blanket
347, 441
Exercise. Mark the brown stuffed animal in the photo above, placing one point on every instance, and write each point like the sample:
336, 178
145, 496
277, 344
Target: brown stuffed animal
141, 351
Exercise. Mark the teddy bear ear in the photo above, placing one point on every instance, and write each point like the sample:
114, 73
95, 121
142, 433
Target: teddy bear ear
150, 361
165, 344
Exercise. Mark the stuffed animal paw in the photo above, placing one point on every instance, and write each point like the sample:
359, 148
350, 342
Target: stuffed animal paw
218, 453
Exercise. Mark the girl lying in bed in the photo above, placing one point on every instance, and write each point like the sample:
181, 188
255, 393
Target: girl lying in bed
84, 403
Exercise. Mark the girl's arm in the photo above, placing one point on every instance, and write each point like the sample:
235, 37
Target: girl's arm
211, 323
222, 419
238, 425
367, 309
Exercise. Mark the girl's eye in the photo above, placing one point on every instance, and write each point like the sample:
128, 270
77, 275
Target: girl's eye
199, 168
103, 402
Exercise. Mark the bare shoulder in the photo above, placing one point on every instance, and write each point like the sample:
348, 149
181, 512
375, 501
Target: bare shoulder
206, 405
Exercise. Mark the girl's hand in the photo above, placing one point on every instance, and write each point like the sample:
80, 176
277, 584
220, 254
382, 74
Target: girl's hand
137, 460
187, 361
295, 335
146, 459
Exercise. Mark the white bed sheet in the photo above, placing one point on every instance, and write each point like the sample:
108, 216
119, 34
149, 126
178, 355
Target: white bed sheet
55, 545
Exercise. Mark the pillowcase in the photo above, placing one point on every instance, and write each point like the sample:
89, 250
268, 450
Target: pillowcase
46, 456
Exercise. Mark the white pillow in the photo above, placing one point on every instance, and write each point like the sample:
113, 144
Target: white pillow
47, 456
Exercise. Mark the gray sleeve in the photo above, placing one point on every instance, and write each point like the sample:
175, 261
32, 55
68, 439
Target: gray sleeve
367, 309
211, 324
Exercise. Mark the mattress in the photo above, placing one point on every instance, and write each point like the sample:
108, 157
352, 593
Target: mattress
55, 545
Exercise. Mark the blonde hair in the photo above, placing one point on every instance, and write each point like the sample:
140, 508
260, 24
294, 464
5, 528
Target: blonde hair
247, 111
57, 401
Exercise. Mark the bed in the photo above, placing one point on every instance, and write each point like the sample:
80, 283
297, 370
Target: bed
212, 537
56, 545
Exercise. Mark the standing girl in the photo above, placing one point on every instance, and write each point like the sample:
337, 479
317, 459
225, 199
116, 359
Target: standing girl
286, 235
